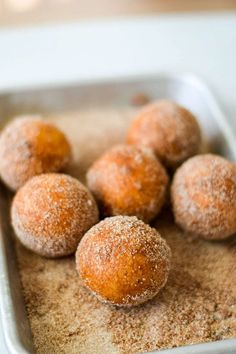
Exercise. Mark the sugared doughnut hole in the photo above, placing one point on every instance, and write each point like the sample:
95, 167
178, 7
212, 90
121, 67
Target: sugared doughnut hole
30, 146
128, 180
203, 195
51, 213
123, 261
169, 129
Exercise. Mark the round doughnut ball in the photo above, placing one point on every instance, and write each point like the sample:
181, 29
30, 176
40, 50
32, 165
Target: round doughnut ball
51, 213
30, 146
203, 194
123, 261
169, 129
128, 180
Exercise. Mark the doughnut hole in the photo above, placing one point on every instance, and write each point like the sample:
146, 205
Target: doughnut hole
123, 261
203, 196
51, 213
169, 129
30, 146
128, 180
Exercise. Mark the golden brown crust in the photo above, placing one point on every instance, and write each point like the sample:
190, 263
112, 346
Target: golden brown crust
123, 261
30, 146
128, 180
204, 196
169, 129
51, 213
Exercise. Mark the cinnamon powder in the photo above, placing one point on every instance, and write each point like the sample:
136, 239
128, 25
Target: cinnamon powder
198, 303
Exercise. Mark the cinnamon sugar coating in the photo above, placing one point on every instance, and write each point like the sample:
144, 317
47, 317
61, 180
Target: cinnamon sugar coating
169, 129
204, 196
196, 305
51, 213
123, 261
127, 180
30, 146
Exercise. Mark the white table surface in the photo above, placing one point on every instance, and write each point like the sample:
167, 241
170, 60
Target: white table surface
203, 43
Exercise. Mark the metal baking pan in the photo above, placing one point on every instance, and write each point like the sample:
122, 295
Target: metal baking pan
185, 89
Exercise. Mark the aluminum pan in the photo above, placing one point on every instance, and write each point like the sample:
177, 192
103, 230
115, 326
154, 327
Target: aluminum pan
186, 89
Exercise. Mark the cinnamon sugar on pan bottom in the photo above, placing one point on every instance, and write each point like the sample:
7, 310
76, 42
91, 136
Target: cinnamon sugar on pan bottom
198, 303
